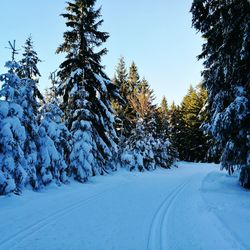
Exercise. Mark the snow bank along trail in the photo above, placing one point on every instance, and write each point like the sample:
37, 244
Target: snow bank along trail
193, 207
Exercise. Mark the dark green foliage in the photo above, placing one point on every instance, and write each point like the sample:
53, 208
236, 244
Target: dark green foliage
245, 177
124, 112
87, 91
121, 79
196, 141
225, 26
147, 147
186, 122
128, 85
177, 129
163, 118
30, 101
141, 101
133, 77
28, 65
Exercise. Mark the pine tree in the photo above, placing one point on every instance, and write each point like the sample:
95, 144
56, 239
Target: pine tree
185, 126
225, 25
142, 103
145, 149
133, 77
121, 78
28, 68
177, 129
13, 167
166, 154
163, 118
55, 140
195, 137
138, 152
124, 112
29, 74
87, 91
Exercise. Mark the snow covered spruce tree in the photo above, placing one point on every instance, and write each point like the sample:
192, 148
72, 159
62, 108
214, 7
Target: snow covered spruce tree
39, 172
145, 150
13, 168
226, 27
191, 110
87, 91
55, 140
138, 153
165, 152
123, 110
141, 142
177, 129
163, 117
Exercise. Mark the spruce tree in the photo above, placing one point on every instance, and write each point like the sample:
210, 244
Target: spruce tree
138, 151
28, 68
225, 27
146, 149
186, 126
124, 112
121, 78
87, 91
177, 129
13, 167
133, 77
29, 74
166, 154
55, 142
194, 136
142, 103
163, 118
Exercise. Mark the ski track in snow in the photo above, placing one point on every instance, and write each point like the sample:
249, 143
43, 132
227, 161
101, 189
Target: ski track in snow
16, 239
157, 235
193, 207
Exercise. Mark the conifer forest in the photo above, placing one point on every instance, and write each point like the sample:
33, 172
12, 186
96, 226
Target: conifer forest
101, 151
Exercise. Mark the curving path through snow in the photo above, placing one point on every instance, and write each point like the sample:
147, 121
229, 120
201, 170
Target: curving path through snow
193, 207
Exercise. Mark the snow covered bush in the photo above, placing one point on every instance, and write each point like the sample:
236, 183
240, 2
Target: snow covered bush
164, 152
138, 151
148, 146
143, 151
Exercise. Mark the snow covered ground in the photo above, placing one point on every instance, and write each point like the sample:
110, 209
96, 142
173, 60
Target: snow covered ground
193, 207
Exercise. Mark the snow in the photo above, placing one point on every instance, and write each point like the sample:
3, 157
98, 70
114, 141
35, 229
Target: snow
102, 81
4, 108
195, 206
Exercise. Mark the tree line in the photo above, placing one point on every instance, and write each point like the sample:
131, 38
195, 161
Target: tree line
225, 27
72, 131
87, 124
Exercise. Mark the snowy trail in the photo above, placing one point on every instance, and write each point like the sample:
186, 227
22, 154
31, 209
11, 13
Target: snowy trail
157, 233
192, 207
31, 229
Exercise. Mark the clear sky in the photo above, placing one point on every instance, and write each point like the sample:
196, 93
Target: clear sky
157, 35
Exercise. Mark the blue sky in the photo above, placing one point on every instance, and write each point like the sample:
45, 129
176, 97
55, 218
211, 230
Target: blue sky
157, 35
